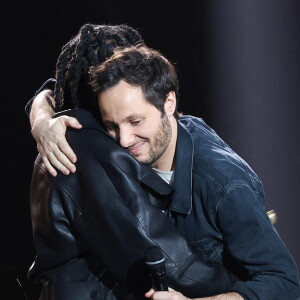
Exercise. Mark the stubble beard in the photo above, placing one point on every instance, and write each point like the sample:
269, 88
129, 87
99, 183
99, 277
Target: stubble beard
161, 141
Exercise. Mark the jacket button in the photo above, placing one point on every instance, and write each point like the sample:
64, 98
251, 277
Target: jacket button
94, 294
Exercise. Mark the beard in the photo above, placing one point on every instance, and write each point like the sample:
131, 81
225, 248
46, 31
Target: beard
161, 141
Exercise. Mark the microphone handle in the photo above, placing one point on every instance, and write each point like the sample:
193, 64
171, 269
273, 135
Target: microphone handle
160, 283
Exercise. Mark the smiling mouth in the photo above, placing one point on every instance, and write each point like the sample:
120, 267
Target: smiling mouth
136, 148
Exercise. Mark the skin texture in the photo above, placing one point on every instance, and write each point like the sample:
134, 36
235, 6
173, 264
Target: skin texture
49, 135
139, 126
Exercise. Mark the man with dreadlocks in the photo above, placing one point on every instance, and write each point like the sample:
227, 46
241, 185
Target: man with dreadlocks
91, 46
91, 229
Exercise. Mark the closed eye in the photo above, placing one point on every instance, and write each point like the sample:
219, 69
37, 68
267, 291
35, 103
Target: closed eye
135, 122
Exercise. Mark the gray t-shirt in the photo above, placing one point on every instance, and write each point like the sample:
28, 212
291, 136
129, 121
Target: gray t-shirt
168, 177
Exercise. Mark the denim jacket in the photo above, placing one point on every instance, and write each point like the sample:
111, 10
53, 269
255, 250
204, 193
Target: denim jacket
218, 205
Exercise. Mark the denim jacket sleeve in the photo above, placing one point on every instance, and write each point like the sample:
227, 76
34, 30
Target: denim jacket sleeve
269, 270
48, 84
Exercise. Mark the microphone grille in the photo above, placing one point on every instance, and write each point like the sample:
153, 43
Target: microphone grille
154, 255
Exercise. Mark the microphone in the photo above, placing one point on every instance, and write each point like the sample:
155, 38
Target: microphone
155, 262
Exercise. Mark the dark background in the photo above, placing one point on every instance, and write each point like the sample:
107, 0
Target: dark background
238, 66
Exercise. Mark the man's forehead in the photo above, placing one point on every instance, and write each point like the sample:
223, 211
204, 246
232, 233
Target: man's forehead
122, 95
121, 87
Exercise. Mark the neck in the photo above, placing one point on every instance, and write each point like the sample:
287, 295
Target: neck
166, 162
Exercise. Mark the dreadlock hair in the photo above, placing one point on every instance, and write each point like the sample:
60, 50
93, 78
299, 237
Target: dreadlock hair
90, 47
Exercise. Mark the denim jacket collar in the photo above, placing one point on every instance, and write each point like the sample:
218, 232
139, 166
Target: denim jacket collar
182, 197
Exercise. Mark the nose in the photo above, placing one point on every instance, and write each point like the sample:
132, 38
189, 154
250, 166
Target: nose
125, 137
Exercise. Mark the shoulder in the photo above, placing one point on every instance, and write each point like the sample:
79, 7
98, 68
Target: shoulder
91, 141
193, 123
214, 161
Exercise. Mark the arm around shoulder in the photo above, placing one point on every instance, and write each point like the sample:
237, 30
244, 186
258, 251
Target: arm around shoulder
50, 134
43, 107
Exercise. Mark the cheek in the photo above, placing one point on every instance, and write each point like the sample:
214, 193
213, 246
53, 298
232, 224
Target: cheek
145, 131
148, 134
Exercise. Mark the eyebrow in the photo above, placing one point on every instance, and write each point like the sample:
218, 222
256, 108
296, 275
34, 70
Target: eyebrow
133, 116
130, 117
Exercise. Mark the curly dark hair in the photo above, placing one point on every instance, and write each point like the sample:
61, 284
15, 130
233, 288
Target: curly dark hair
90, 47
139, 66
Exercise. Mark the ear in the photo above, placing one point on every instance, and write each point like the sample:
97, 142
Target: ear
170, 104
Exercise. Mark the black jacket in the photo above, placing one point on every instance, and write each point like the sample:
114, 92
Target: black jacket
91, 228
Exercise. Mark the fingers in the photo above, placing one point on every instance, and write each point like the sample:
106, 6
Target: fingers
149, 293
48, 166
65, 154
62, 161
51, 162
170, 295
62, 143
53, 146
54, 158
73, 122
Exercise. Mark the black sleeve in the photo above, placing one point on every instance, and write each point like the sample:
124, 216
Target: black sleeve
49, 84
